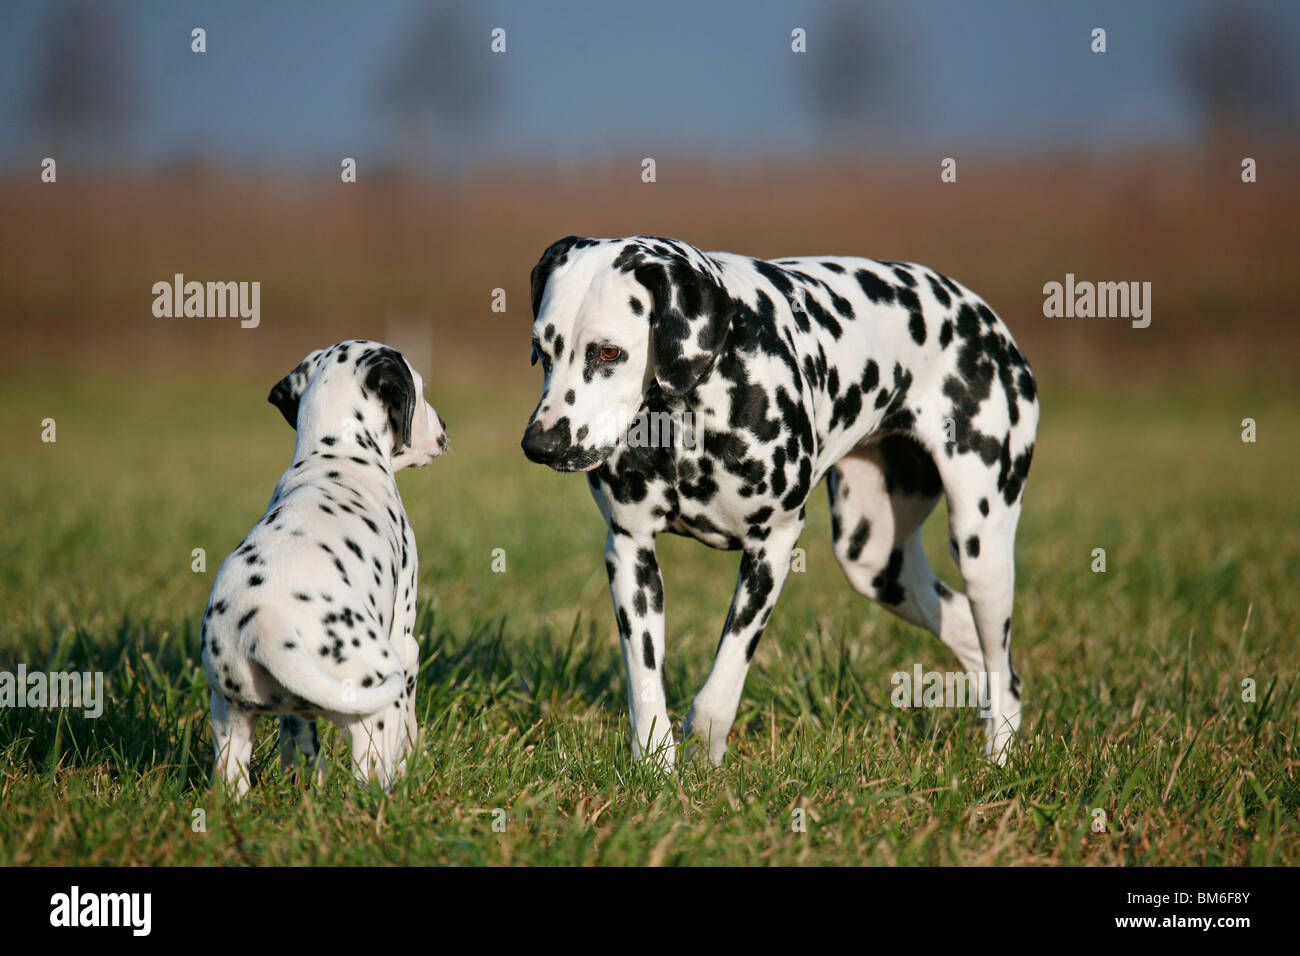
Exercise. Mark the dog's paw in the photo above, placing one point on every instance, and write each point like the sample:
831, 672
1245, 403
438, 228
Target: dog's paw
709, 730
659, 753
998, 744
234, 785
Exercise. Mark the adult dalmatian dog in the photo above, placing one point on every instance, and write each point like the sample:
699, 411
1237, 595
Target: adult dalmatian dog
313, 615
893, 382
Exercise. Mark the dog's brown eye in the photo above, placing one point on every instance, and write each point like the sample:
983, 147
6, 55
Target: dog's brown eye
609, 353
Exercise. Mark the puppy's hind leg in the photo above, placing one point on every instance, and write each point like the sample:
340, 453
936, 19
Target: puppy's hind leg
377, 746
408, 649
299, 734
232, 739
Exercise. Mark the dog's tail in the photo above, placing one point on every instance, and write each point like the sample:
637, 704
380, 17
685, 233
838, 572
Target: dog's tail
281, 650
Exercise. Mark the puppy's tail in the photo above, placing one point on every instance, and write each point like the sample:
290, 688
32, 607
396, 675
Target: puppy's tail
281, 650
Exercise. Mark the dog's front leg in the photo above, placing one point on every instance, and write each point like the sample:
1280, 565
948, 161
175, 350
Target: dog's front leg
763, 567
638, 593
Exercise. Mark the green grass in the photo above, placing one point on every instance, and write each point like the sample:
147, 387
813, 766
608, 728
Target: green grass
1133, 677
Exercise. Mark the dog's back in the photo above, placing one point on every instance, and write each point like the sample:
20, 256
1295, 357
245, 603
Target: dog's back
288, 629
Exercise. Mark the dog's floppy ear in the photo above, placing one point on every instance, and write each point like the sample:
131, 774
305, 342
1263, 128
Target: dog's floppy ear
389, 377
689, 318
286, 392
554, 256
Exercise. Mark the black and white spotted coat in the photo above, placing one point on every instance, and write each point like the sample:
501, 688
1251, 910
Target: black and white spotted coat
891, 381
314, 613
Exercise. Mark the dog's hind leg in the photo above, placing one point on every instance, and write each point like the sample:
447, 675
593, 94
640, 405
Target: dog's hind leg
408, 652
983, 533
880, 495
232, 739
299, 734
377, 746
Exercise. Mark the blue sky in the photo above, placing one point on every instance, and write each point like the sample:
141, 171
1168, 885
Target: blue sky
287, 82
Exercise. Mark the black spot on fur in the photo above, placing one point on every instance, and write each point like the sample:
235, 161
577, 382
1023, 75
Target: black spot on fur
886, 584
907, 468
648, 579
858, 540
756, 587
877, 289
939, 292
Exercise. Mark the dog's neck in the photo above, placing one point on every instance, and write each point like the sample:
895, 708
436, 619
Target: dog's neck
341, 434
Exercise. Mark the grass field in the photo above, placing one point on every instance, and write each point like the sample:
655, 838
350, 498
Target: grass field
1133, 677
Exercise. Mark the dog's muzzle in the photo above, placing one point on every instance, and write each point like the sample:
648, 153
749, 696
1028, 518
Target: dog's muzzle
546, 446
551, 447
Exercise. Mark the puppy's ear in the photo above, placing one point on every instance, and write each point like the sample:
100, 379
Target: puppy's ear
689, 318
389, 377
286, 392
555, 256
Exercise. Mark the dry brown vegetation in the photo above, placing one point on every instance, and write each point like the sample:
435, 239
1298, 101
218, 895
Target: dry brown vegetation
335, 260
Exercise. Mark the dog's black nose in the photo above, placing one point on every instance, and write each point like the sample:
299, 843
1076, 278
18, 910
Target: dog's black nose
541, 446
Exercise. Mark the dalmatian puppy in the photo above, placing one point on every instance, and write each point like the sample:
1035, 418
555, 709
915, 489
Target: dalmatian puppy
891, 381
314, 614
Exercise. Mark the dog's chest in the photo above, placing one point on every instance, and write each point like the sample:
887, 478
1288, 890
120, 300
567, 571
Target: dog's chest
719, 468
